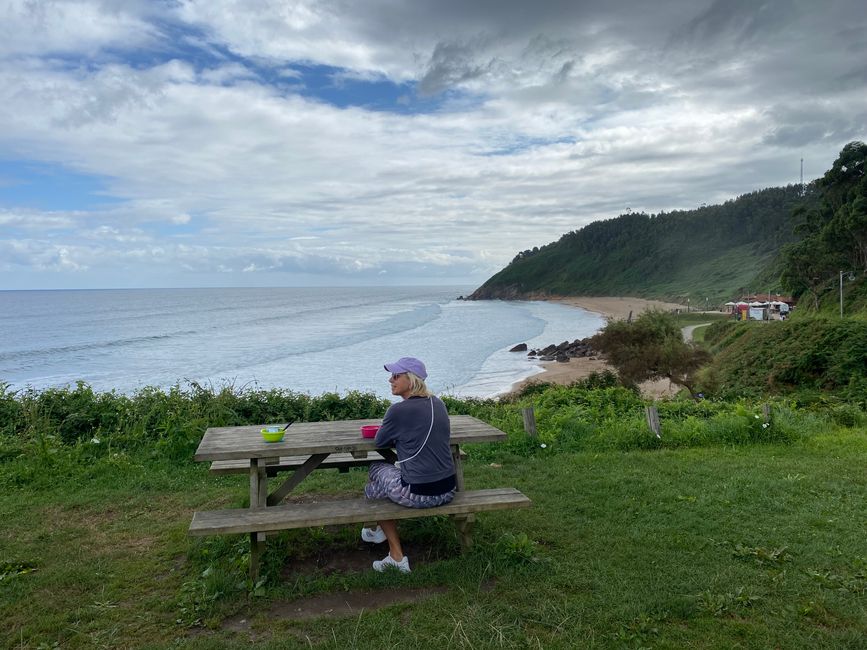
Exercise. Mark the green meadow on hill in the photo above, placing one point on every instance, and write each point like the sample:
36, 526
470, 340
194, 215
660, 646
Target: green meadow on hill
727, 531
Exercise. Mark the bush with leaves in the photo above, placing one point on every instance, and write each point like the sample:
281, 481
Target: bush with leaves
651, 347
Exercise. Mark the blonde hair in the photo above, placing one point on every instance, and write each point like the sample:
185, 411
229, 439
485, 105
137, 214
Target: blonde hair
417, 387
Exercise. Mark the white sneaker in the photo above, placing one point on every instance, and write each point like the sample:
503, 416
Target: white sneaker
373, 535
388, 561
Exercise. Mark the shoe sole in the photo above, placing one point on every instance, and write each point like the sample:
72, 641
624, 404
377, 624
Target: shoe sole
391, 566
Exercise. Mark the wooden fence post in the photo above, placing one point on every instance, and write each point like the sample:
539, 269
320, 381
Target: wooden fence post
529, 421
766, 411
652, 416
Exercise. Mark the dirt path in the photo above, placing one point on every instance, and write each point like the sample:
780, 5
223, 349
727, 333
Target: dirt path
689, 329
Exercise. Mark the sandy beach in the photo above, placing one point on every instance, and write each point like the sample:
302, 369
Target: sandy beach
612, 308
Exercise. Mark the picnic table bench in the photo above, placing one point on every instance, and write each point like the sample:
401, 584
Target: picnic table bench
341, 462
308, 446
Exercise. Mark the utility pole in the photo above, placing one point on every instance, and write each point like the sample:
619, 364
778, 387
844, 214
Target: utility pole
841, 294
802, 177
851, 277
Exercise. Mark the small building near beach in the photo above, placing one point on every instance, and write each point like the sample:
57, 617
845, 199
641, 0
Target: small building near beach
761, 307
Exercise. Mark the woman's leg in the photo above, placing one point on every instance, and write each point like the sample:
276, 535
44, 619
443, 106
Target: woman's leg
389, 527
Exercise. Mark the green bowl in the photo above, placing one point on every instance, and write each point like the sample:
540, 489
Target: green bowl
272, 434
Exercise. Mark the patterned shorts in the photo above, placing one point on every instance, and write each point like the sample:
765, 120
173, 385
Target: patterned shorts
384, 483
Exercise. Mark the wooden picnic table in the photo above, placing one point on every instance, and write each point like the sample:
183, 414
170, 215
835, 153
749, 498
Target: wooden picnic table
316, 441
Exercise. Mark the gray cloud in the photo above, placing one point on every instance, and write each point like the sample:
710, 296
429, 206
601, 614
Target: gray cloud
452, 64
736, 22
552, 115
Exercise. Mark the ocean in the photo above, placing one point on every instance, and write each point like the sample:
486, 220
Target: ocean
310, 340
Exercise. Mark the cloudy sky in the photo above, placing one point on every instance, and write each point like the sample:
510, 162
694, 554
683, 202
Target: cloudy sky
238, 143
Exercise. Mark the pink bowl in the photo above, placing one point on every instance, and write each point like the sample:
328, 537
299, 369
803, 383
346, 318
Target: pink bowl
369, 430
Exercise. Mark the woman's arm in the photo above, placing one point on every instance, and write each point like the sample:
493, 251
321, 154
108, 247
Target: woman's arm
389, 430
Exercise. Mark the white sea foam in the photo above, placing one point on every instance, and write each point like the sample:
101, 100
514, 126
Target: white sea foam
307, 340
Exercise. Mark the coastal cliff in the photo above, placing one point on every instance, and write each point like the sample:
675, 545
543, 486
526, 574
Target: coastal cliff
708, 254
804, 240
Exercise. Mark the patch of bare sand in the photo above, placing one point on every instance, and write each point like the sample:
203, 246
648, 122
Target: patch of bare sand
612, 308
616, 308
555, 372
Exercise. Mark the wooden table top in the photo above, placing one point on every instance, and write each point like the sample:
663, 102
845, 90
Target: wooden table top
307, 438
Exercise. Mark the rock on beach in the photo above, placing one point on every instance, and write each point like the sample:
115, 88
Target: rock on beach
564, 351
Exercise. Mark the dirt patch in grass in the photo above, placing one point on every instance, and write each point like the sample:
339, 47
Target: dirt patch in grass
345, 603
335, 605
336, 558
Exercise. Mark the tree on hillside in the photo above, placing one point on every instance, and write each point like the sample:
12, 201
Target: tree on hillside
651, 347
834, 232
709, 252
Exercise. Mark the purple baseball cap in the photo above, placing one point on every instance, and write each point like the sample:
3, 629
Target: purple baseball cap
407, 364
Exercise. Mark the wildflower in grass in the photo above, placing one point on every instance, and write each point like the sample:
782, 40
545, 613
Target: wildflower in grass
543, 445
94, 441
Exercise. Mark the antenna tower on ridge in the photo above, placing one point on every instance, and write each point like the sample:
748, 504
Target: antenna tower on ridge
802, 177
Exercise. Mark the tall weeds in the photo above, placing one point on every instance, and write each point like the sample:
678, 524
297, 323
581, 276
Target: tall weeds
596, 414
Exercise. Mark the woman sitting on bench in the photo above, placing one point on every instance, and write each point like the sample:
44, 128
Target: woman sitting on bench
424, 474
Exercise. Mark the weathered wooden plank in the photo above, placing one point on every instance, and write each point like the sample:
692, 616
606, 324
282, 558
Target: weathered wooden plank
529, 416
306, 515
291, 462
651, 414
307, 438
285, 463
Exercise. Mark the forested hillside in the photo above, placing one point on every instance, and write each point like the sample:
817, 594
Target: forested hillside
708, 254
832, 239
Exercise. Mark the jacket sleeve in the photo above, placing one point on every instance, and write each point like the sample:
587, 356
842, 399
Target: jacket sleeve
389, 430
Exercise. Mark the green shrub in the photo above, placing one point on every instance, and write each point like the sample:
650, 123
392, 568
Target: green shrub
848, 415
60, 428
817, 354
171, 422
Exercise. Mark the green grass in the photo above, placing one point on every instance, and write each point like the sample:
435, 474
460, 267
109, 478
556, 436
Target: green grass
786, 357
751, 546
696, 317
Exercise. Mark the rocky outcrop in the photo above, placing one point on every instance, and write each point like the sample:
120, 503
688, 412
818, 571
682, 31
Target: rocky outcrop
511, 292
521, 347
565, 351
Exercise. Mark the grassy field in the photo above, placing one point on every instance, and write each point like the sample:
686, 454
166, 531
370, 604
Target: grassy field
754, 546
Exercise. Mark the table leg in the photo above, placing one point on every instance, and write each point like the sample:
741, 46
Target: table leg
459, 468
258, 498
257, 548
297, 476
464, 523
258, 483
